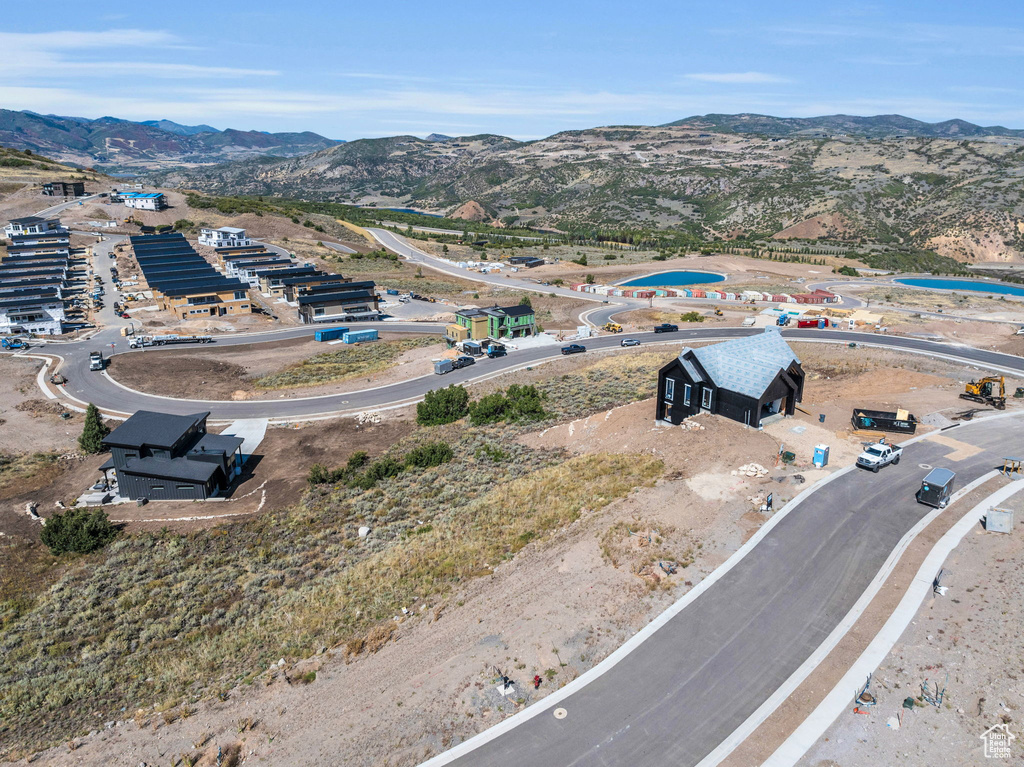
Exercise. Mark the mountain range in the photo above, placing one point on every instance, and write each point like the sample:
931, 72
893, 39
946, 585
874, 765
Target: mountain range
115, 145
962, 197
879, 126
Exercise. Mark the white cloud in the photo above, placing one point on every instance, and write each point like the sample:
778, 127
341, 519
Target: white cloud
736, 78
59, 54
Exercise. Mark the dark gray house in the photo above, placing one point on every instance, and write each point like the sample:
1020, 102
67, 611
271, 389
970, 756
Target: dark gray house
746, 380
163, 457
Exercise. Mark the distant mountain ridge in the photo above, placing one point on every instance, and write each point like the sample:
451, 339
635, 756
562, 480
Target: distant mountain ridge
113, 144
182, 130
879, 126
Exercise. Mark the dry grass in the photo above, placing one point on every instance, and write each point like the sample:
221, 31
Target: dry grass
346, 363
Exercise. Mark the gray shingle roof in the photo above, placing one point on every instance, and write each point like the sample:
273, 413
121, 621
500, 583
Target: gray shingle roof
746, 365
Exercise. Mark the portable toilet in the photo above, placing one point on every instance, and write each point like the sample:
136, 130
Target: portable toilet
820, 456
936, 488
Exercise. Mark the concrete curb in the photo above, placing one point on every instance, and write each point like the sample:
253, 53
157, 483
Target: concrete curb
807, 734
821, 652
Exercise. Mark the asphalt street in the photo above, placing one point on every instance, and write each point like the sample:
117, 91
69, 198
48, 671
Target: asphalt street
695, 680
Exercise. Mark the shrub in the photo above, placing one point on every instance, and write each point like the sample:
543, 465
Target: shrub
183, 223
78, 530
430, 454
93, 432
525, 301
443, 406
518, 403
691, 317
383, 468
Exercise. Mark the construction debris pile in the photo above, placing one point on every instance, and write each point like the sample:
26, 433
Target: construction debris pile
367, 417
690, 425
750, 470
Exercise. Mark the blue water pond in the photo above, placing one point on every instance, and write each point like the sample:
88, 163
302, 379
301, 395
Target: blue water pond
942, 283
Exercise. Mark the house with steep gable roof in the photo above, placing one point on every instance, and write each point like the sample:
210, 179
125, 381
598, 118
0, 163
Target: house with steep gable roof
746, 380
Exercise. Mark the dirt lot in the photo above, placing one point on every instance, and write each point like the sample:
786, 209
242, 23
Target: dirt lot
229, 373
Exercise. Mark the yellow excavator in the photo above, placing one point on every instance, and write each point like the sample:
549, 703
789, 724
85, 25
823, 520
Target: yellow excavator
613, 327
718, 312
982, 391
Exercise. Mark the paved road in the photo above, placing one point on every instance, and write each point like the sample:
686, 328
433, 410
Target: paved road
61, 206
695, 680
97, 388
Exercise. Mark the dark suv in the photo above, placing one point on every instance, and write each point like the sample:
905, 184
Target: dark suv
666, 328
573, 349
462, 362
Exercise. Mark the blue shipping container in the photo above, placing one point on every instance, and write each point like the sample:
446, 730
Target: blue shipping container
357, 336
391, 292
330, 334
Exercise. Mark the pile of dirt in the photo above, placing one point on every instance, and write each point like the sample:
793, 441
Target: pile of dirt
470, 211
40, 407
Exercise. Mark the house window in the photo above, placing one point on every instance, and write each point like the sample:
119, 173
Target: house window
318, 312
239, 295
157, 487
705, 398
670, 389
185, 487
686, 394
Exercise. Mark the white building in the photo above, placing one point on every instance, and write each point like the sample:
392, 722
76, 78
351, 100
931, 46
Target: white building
225, 237
144, 200
33, 225
42, 315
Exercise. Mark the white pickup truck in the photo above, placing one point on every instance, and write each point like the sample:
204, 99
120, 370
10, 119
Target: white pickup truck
878, 455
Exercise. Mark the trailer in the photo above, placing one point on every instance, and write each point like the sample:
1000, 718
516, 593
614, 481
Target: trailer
330, 334
142, 341
901, 421
936, 488
359, 336
443, 366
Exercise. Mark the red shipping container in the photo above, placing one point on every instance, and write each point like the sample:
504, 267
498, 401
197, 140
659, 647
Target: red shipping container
698, 293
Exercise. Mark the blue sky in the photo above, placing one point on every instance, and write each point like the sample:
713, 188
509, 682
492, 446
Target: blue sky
526, 69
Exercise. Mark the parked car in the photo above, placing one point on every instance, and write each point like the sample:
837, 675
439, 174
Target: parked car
666, 328
629, 342
573, 349
125, 316
462, 362
496, 351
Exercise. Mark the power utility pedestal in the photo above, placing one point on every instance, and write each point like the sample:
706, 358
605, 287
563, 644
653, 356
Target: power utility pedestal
999, 521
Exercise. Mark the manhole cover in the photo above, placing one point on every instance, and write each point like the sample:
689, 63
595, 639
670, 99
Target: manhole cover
925, 465
561, 713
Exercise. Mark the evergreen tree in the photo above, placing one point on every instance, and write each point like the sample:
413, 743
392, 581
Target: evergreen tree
93, 432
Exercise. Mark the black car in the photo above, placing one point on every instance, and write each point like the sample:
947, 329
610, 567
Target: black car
496, 351
666, 328
573, 349
462, 362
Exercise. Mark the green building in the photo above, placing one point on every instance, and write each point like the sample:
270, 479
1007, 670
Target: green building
497, 323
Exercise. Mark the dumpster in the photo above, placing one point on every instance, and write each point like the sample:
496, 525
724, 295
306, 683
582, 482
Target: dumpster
936, 488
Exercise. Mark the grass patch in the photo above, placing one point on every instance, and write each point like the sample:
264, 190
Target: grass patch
615, 380
348, 362
16, 469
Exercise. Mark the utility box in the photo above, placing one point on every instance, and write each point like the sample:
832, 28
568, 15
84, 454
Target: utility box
820, 456
999, 521
936, 488
358, 336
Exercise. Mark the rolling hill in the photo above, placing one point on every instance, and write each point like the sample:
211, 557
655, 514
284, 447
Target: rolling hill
962, 197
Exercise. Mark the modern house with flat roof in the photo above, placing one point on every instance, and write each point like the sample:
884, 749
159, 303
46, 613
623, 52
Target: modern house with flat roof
224, 237
345, 303
64, 189
496, 322
33, 225
745, 379
41, 313
162, 457
144, 200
